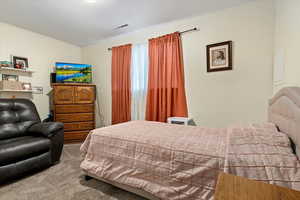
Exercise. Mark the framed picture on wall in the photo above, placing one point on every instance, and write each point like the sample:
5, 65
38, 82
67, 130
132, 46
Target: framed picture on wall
219, 56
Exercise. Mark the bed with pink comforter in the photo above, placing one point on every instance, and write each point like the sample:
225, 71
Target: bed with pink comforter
176, 162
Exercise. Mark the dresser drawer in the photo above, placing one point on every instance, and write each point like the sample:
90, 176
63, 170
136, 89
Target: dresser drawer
78, 126
63, 95
80, 117
75, 136
84, 94
61, 109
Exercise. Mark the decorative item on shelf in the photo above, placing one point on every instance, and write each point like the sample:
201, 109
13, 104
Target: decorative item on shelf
8, 77
10, 85
5, 64
219, 56
20, 62
37, 90
26, 86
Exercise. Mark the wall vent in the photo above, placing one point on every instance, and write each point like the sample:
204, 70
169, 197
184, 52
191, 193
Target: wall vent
122, 26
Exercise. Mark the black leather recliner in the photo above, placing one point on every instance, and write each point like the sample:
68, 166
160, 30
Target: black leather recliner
26, 144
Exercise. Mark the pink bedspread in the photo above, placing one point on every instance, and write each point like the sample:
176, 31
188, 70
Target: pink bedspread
176, 162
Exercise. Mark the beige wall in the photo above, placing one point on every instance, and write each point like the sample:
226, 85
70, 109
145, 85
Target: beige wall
42, 53
214, 99
287, 41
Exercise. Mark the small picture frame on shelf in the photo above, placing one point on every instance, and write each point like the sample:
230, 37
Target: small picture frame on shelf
5, 64
8, 77
26, 86
20, 62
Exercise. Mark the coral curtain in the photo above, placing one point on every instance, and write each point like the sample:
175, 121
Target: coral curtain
166, 91
121, 87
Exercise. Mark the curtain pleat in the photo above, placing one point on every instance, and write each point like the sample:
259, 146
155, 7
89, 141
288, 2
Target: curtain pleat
121, 84
166, 91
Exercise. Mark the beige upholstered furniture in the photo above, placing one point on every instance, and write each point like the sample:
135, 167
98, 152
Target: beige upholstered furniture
284, 111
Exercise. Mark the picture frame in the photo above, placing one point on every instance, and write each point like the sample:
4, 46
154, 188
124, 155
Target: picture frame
26, 86
20, 62
9, 77
219, 56
5, 64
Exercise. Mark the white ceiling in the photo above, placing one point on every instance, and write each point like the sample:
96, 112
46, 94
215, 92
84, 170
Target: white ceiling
81, 23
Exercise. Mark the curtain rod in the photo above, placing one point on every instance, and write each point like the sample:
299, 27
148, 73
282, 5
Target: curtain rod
182, 32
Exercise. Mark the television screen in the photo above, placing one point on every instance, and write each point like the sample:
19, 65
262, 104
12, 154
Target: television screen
73, 73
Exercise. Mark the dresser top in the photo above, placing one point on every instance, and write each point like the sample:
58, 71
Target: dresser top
72, 84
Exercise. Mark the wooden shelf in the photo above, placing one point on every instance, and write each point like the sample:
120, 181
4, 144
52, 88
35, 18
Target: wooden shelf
7, 70
20, 91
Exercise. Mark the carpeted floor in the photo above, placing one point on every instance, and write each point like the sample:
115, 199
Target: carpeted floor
63, 181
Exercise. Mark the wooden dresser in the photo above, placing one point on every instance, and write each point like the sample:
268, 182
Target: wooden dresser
74, 105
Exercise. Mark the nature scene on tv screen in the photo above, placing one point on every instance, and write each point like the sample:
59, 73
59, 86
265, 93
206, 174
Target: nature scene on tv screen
73, 73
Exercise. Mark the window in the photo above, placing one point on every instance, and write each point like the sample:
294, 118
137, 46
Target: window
139, 80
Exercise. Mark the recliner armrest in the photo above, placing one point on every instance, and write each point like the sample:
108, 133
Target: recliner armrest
47, 129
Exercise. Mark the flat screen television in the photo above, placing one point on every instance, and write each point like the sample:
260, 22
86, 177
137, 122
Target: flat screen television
73, 73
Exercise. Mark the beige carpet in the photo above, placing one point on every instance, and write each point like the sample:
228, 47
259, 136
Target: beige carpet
63, 181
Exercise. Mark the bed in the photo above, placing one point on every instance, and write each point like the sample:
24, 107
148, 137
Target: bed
173, 162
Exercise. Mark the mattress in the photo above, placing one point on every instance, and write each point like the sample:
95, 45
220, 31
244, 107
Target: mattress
176, 162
